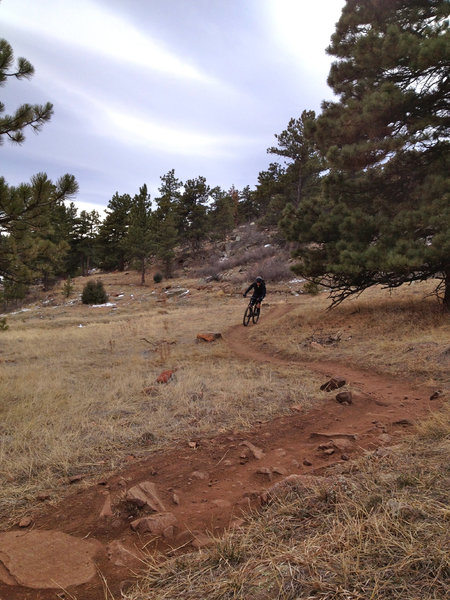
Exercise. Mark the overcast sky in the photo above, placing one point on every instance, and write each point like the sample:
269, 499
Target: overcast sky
140, 87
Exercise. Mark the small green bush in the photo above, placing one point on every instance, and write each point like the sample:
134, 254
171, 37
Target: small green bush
94, 293
3, 325
311, 287
157, 277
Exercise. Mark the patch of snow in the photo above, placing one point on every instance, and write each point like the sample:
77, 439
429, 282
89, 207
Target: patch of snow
267, 245
296, 281
102, 305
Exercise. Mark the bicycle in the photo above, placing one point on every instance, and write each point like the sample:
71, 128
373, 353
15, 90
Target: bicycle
251, 312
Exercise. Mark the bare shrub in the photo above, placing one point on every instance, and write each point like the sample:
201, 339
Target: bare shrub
273, 268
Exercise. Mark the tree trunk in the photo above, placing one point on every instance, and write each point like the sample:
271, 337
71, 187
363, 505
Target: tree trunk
143, 271
446, 301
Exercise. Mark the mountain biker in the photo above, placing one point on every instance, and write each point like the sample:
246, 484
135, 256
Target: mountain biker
259, 291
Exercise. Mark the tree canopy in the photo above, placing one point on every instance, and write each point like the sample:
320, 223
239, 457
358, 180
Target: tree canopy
383, 216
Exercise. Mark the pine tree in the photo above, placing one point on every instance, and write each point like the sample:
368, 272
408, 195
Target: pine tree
139, 242
112, 232
27, 115
31, 245
166, 219
384, 215
193, 211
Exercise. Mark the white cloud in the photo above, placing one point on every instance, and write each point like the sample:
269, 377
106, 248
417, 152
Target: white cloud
304, 28
162, 137
85, 24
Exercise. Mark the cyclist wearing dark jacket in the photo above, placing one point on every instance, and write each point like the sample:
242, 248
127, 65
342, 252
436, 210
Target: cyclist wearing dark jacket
259, 291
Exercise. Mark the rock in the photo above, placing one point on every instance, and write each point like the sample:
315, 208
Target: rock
165, 376
257, 452
265, 471
106, 510
329, 451
155, 524
208, 337
200, 475
297, 408
145, 494
344, 398
47, 559
406, 422
75, 478
435, 395
176, 499
121, 556
25, 522
307, 462
333, 384
201, 540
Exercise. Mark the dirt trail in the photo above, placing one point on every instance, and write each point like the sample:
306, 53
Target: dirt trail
205, 486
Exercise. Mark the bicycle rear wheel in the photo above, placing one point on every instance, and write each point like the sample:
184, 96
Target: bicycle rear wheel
247, 315
256, 312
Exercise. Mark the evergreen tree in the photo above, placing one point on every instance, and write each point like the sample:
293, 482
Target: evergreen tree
222, 214
384, 216
139, 242
27, 115
193, 211
30, 244
113, 231
85, 240
166, 218
297, 146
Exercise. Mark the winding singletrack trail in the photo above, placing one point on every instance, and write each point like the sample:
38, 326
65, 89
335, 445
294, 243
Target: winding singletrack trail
205, 485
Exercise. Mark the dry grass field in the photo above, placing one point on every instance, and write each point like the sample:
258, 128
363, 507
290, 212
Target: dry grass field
78, 383
78, 394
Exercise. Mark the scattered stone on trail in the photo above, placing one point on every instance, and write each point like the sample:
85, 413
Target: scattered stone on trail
145, 494
333, 436
75, 478
47, 559
333, 384
200, 475
176, 499
201, 540
345, 457
265, 471
297, 408
208, 337
25, 522
435, 395
307, 462
165, 376
344, 397
406, 422
257, 452
220, 503
385, 438
106, 510
329, 451
159, 524
193, 444
121, 556
343, 444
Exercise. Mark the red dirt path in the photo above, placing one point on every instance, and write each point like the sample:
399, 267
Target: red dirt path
221, 476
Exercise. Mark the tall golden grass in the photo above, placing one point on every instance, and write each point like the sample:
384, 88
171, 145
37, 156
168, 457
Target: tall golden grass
78, 387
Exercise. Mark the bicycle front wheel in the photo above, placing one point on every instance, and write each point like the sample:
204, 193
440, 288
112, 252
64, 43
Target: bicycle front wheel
247, 316
256, 312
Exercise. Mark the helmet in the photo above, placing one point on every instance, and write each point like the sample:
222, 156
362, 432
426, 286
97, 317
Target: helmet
259, 279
